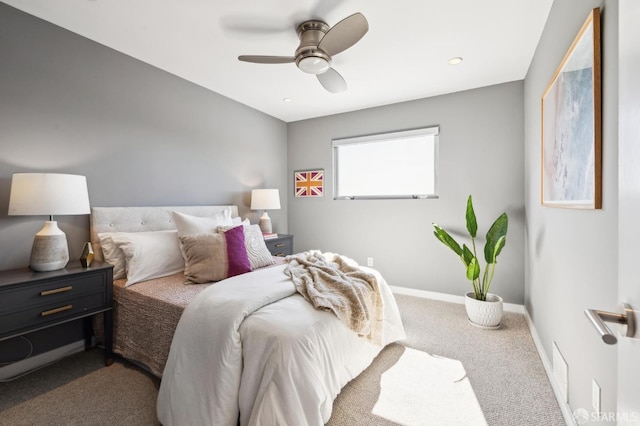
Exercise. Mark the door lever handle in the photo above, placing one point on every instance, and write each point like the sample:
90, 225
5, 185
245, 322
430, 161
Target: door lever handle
626, 318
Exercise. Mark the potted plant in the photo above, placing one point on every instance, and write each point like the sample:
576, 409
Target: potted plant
483, 308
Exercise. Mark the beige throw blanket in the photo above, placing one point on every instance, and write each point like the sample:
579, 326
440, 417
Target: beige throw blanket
335, 283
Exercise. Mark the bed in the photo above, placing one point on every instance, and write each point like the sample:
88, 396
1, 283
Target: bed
146, 314
246, 350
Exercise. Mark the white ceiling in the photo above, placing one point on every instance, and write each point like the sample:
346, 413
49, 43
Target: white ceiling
402, 57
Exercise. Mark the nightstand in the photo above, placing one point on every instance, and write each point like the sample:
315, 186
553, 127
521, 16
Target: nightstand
281, 246
31, 301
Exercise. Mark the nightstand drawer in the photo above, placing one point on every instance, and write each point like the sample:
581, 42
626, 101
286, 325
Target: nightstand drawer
51, 292
280, 246
42, 315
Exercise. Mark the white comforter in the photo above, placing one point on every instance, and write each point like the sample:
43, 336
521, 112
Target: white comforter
250, 346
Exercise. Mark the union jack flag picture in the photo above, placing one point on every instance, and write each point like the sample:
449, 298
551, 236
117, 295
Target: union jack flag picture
309, 183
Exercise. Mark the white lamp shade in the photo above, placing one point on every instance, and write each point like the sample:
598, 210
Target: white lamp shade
265, 199
49, 194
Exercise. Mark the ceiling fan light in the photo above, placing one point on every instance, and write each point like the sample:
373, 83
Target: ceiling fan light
313, 65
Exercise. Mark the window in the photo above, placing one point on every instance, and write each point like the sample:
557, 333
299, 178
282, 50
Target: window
390, 165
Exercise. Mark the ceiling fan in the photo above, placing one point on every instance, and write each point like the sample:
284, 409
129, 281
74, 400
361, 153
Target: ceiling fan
318, 43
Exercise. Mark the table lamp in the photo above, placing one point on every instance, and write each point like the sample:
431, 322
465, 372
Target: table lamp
34, 194
265, 199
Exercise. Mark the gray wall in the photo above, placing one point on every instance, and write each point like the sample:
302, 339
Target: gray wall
572, 254
481, 153
140, 135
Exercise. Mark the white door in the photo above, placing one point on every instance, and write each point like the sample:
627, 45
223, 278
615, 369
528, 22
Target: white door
629, 207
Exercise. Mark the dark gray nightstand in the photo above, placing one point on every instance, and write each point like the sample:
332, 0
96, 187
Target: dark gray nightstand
31, 301
281, 246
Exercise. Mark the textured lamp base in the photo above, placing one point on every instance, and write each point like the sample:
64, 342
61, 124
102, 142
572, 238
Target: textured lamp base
265, 223
49, 251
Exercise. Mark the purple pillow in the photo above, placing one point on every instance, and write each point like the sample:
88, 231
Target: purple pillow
236, 252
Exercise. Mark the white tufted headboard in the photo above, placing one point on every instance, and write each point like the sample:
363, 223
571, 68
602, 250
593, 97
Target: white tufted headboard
137, 219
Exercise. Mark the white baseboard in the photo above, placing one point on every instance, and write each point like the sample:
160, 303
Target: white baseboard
509, 307
548, 368
42, 360
443, 297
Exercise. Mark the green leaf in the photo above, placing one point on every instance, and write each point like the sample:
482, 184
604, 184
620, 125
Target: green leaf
496, 238
472, 224
496, 251
473, 269
467, 255
446, 239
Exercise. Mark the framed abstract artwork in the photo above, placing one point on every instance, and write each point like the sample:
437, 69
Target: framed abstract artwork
308, 183
572, 125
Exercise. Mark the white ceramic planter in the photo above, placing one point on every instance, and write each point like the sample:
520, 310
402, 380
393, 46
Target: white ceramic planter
484, 314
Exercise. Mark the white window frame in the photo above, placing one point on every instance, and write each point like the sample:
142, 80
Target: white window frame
431, 132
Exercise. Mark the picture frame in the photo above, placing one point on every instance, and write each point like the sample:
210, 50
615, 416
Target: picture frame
571, 142
308, 183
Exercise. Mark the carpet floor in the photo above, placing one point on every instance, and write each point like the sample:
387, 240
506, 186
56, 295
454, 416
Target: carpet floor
446, 372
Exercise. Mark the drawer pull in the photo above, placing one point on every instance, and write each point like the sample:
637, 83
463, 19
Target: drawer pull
56, 291
280, 245
56, 310
280, 255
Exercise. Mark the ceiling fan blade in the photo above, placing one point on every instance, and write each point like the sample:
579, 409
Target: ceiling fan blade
332, 81
344, 34
267, 59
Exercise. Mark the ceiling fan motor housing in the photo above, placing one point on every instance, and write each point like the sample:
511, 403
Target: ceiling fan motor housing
318, 42
309, 58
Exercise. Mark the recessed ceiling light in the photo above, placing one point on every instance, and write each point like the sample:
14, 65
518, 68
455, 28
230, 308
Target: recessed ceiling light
287, 100
455, 61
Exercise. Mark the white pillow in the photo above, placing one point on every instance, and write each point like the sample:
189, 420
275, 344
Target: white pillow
194, 225
149, 255
235, 221
113, 255
259, 254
